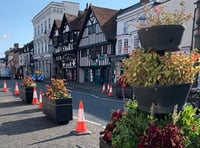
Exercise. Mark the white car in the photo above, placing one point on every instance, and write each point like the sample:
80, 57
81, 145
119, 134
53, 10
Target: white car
5, 73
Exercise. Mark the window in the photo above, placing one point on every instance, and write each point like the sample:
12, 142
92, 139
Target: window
41, 28
45, 25
35, 31
92, 29
38, 30
119, 46
126, 44
92, 24
125, 27
136, 41
49, 22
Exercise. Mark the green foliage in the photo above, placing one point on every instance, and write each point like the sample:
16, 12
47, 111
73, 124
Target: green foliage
189, 122
150, 68
132, 124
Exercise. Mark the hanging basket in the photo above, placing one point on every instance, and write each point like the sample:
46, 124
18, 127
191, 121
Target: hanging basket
164, 97
161, 38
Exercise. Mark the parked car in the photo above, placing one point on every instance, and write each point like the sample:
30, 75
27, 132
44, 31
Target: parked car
5, 73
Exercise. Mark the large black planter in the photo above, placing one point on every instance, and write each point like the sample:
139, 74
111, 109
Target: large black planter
103, 144
26, 94
125, 92
58, 110
164, 98
161, 38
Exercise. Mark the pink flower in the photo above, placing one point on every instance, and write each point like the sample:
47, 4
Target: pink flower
157, 10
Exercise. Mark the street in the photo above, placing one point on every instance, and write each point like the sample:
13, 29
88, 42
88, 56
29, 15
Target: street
25, 126
97, 106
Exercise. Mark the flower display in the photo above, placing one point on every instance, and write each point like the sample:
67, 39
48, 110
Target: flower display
57, 89
28, 82
159, 16
139, 129
150, 68
107, 133
122, 81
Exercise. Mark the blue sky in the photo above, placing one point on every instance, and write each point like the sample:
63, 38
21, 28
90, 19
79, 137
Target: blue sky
16, 16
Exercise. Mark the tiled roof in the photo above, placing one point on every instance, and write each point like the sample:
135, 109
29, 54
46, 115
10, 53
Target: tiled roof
56, 25
106, 19
103, 15
69, 17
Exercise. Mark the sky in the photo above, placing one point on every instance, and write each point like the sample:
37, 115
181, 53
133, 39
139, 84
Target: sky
16, 18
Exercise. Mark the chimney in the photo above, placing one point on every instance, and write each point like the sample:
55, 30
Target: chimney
16, 45
86, 6
144, 1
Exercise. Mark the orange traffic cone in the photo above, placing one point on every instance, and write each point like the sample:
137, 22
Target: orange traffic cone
40, 100
108, 88
35, 98
5, 86
16, 89
110, 94
81, 127
103, 89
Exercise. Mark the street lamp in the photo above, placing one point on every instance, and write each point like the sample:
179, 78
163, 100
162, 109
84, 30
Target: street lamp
49, 68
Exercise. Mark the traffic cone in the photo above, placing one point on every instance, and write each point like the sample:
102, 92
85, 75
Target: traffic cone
35, 98
110, 94
40, 100
81, 127
16, 89
5, 89
108, 88
103, 89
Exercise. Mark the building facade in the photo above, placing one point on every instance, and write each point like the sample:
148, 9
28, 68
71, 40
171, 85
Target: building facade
96, 43
42, 24
64, 40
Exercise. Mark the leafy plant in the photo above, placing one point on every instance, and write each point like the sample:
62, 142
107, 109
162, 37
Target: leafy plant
150, 68
139, 129
28, 82
159, 16
57, 90
107, 133
132, 124
189, 123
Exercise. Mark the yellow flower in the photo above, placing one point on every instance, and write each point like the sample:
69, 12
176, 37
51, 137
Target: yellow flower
57, 90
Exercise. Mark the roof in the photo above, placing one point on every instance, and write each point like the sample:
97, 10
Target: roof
56, 25
106, 19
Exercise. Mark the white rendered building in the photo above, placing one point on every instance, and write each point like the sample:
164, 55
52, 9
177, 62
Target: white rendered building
126, 36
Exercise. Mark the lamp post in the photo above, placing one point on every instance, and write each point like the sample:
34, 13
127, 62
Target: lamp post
49, 63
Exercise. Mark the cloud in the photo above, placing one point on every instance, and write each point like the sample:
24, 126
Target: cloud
4, 36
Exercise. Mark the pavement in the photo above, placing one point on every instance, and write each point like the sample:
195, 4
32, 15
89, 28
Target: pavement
25, 126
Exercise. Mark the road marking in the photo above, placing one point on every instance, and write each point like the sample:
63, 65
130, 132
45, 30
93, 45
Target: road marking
92, 122
95, 96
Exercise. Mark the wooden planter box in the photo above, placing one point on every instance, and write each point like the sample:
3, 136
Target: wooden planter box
58, 110
26, 94
103, 144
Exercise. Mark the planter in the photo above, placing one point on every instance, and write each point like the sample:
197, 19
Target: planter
58, 110
128, 92
103, 144
163, 97
161, 38
26, 94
